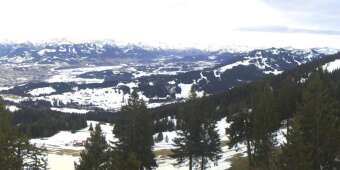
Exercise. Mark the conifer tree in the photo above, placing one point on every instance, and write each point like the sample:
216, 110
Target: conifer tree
15, 150
95, 155
296, 154
166, 139
314, 140
134, 130
91, 127
209, 146
265, 122
253, 122
159, 137
287, 99
241, 127
187, 134
197, 138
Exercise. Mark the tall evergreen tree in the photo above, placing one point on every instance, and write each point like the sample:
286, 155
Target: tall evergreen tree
197, 138
253, 122
187, 134
15, 150
134, 130
159, 137
209, 146
95, 155
287, 99
265, 122
241, 128
314, 141
296, 154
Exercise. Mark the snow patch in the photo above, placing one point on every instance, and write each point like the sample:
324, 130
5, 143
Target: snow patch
5, 88
66, 139
41, 91
12, 108
46, 50
70, 110
185, 91
172, 82
105, 98
230, 66
332, 66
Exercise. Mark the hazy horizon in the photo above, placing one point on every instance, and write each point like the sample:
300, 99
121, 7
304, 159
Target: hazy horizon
175, 23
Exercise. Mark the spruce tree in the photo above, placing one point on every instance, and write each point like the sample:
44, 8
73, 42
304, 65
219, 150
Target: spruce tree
314, 140
166, 139
253, 122
91, 127
265, 122
134, 129
15, 150
296, 154
197, 138
209, 146
95, 155
241, 128
188, 133
159, 137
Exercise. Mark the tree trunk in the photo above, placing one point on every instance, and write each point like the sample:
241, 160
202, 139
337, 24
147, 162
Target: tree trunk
202, 163
249, 154
190, 162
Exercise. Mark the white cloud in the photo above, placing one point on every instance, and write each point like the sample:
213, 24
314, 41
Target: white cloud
199, 23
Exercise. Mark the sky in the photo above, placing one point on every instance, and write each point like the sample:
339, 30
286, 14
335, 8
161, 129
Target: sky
175, 23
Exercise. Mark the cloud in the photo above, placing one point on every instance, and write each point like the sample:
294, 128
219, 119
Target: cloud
318, 14
283, 29
189, 23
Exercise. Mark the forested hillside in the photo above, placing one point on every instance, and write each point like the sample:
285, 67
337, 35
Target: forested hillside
304, 102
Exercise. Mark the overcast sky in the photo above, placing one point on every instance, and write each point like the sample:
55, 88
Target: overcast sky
178, 23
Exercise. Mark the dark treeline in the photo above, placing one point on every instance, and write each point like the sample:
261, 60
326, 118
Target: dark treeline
102, 116
44, 122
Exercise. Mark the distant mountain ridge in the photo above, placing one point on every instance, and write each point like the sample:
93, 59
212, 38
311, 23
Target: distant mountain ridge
73, 53
101, 75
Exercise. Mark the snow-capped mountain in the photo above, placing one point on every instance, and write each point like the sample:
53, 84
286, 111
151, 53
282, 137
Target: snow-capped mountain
101, 75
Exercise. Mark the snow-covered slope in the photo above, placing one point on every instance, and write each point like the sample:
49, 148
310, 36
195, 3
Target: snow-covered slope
96, 75
331, 66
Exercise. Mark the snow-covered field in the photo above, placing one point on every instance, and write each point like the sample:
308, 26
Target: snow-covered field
70, 110
62, 147
40, 91
110, 98
62, 153
70, 75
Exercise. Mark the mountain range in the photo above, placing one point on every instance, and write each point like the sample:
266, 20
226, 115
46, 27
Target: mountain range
88, 76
